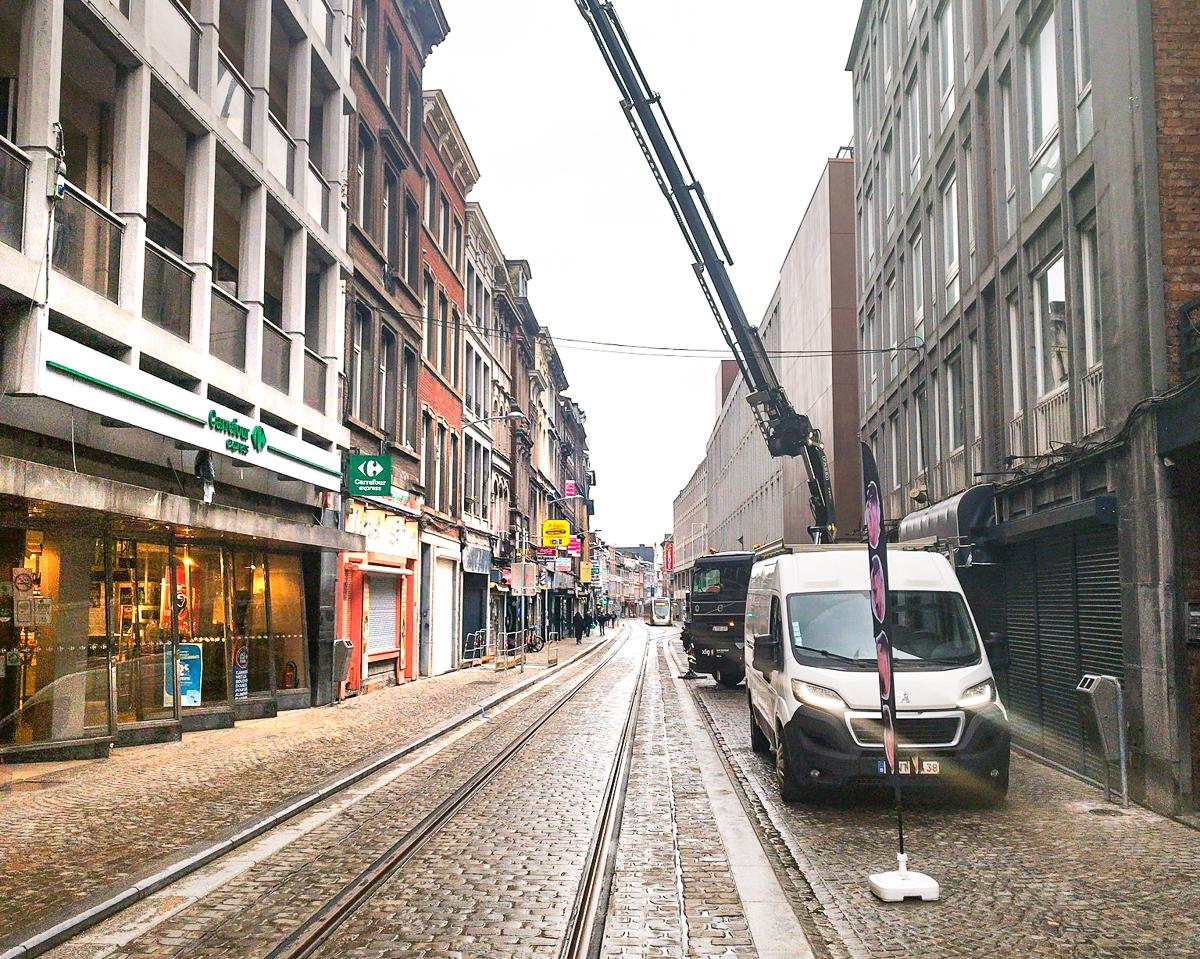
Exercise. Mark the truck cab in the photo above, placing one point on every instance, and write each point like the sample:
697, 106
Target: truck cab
813, 682
716, 611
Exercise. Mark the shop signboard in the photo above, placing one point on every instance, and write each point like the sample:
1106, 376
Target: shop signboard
43, 607
562, 564
556, 532
191, 671
575, 546
241, 673
569, 488
369, 475
525, 579
546, 552
668, 557
477, 560
6, 602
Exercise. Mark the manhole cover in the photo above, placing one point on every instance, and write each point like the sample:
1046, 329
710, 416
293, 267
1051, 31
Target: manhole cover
1104, 811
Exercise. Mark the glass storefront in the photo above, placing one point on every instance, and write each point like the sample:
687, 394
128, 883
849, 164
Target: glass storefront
101, 634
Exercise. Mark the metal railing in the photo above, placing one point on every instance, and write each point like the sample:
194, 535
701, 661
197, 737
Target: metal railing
14, 172
1052, 421
232, 99
479, 648
1016, 436
87, 243
276, 357
510, 649
177, 37
954, 472
227, 330
314, 380
1092, 390
167, 293
281, 153
316, 196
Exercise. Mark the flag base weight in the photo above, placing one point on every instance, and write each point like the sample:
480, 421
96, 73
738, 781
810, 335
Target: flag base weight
902, 884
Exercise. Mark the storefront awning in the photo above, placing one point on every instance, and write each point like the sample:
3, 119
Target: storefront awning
62, 495
953, 521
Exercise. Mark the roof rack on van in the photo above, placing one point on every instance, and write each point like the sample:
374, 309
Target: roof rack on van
782, 549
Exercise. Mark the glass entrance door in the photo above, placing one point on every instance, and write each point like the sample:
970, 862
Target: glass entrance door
143, 652
250, 639
203, 627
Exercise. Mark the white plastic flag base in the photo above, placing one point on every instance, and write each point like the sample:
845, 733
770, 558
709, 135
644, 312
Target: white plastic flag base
901, 884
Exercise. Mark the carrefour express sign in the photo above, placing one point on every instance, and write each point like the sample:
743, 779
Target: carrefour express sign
239, 438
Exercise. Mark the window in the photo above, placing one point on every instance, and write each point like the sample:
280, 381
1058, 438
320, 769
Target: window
358, 342
976, 392
967, 29
368, 37
1016, 358
443, 334
945, 37
950, 240
918, 289
440, 463
456, 325
470, 389
453, 477
456, 252
872, 357
1091, 300
936, 425
430, 332
1051, 330
470, 290
429, 459
430, 197
365, 193
469, 502
444, 224
969, 202
887, 188
869, 218
891, 318
894, 450
954, 404
485, 484
1006, 155
921, 406
391, 235
1083, 74
412, 239
913, 111
888, 39
1043, 110
416, 109
393, 75
387, 384
408, 426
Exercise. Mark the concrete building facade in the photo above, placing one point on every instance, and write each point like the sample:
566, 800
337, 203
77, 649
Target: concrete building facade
1019, 230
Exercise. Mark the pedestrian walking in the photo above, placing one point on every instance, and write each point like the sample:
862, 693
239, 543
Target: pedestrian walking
602, 617
577, 626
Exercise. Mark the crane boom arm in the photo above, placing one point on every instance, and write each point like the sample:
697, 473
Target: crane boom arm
787, 432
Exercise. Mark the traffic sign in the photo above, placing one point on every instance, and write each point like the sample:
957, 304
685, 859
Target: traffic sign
556, 532
369, 475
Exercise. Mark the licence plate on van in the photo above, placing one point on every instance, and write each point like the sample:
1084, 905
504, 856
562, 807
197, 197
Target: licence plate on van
914, 767
720, 629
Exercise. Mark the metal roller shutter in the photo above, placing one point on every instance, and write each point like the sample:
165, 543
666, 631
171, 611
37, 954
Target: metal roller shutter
1023, 695
381, 614
1101, 647
1058, 649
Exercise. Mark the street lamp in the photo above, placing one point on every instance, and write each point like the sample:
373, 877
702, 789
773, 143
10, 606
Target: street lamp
511, 416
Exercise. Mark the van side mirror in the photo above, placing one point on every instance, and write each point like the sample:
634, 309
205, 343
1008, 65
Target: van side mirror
996, 645
766, 653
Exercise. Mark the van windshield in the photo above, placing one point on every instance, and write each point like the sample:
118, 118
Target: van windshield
721, 579
834, 630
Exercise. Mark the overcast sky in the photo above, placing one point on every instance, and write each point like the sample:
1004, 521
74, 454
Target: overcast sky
759, 97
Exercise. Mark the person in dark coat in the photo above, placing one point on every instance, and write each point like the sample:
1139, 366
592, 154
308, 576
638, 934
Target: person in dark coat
577, 626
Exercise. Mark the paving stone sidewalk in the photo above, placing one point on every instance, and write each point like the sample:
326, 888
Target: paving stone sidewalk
69, 830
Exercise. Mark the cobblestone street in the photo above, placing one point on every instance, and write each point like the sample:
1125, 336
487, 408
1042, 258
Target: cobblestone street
1054, 873
68, 832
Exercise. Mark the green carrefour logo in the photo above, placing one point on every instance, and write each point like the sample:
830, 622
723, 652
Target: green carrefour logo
369, 475
258, 438
238, 438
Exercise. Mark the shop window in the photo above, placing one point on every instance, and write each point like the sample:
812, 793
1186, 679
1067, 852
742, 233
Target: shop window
203, 656
250, 644
54, 675
142, 646
287, 622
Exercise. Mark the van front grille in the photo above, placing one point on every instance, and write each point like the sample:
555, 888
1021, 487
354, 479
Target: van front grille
940, 730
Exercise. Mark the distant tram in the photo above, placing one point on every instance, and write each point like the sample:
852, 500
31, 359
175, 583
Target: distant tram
659, 612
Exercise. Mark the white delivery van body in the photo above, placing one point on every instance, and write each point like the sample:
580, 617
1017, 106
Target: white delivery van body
813, 681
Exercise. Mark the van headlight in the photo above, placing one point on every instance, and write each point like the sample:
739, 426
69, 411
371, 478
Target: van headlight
978, 695
819, 696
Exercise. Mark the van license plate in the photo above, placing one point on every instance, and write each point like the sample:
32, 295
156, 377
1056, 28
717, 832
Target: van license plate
720, 629
914, 767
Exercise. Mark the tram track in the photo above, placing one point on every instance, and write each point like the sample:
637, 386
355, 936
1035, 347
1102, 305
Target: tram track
587, 912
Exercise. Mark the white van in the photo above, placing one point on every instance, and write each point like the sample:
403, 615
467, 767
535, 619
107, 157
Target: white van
813, 682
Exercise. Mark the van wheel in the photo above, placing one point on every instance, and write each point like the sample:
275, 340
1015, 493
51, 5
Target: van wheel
790, 788
758, 740
730, 678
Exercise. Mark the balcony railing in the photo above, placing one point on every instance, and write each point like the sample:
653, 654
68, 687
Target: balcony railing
167, 294
322, 18
1052, 421
954, 472
227, 331
177, 37
317, 196
1092, 389
14, 170
276, 357
281, 153
87, 243
315, 370
1016, 436
233, 99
